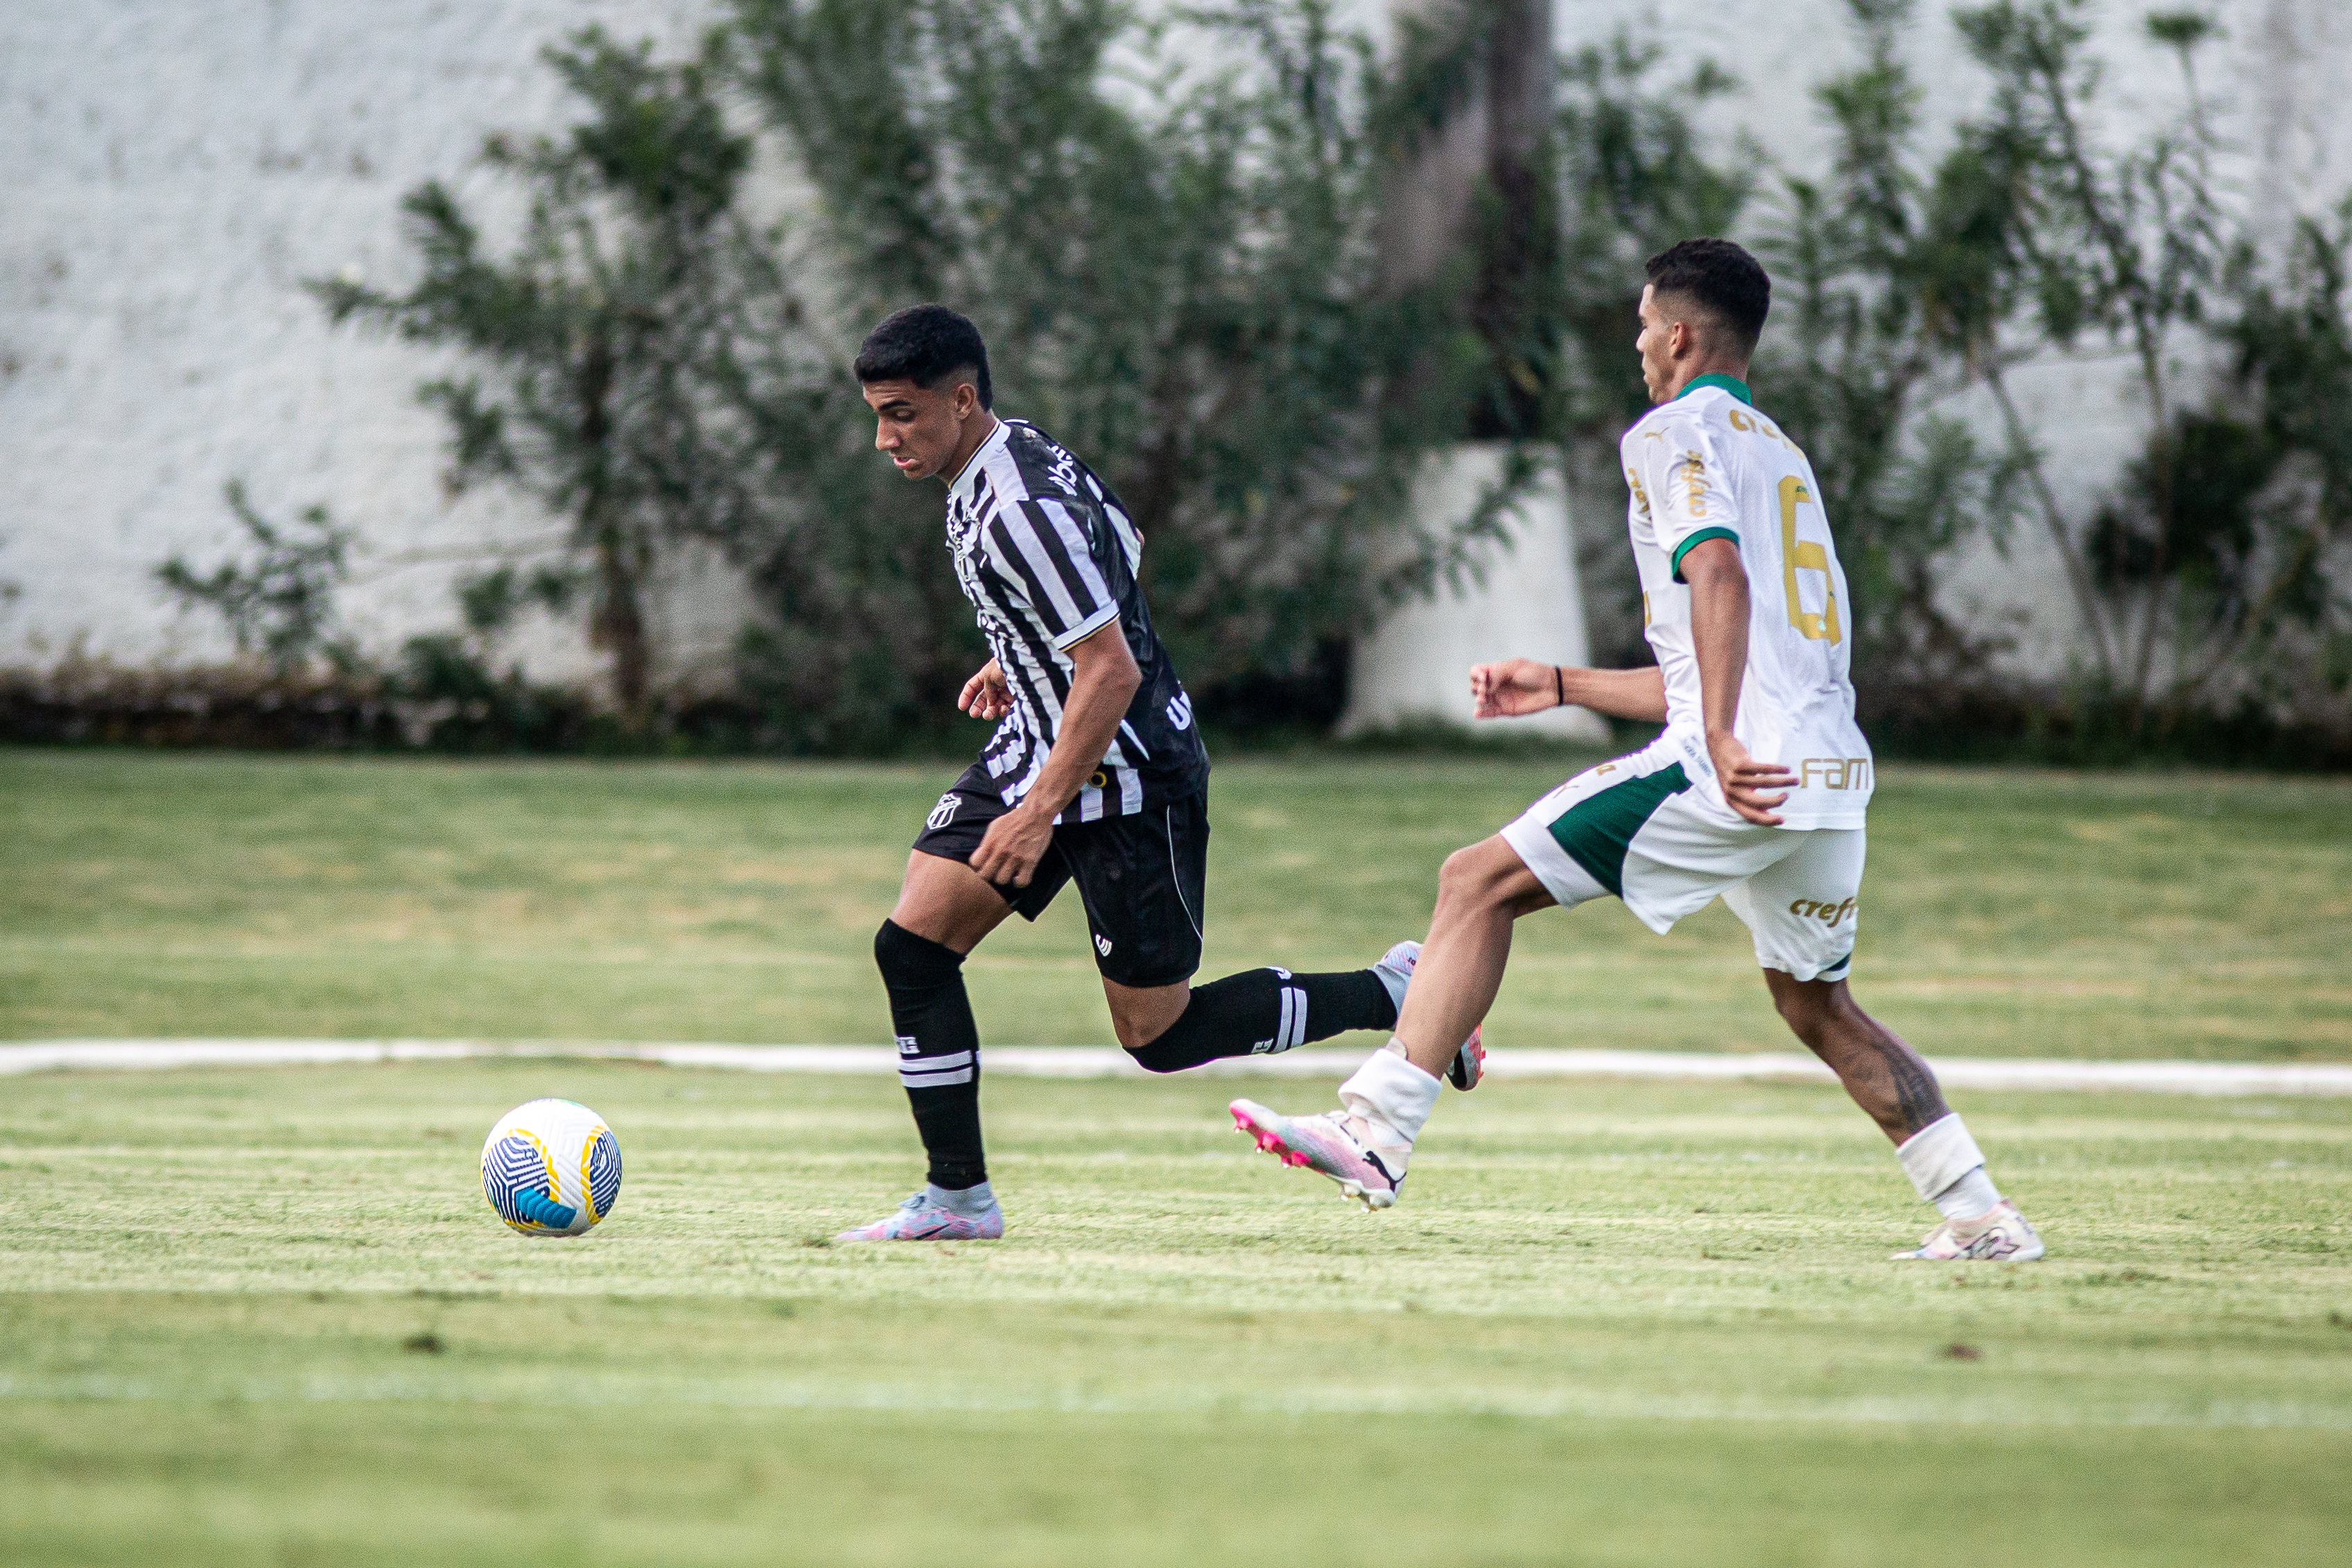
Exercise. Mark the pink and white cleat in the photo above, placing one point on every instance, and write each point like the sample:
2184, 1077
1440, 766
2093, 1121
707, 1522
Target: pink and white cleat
1999, 1235
1395, 969
1324, 1143
921, 1219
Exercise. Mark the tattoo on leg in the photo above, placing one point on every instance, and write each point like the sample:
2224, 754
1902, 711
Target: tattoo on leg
1917, 1095
1846, 1037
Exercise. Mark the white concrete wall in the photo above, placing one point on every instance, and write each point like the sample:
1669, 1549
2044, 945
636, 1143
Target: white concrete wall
176, 170
1518, 600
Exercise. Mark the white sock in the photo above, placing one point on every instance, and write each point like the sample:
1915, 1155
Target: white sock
1971, 1195
976, 1200
1390, 1094
1947, 1168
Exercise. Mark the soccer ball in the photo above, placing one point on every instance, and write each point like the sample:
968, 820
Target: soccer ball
552, 1168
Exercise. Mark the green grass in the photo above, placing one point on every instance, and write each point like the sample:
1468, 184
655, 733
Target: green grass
2007, 912
265, 1317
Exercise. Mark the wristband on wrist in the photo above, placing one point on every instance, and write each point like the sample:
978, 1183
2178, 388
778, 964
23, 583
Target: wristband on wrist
1559, 688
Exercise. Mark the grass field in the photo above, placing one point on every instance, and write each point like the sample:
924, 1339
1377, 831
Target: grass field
260, 1317
265, 1317
2006, 913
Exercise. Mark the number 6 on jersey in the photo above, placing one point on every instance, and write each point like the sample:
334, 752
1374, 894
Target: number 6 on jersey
1823, 625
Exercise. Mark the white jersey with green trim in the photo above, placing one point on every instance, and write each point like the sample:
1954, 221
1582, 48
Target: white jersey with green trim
1708, 466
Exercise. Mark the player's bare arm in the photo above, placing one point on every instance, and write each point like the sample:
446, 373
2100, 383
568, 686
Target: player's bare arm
1105, 684
1521, 686
985, 695
1719, 601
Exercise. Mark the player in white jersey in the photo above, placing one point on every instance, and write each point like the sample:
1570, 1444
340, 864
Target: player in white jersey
1756, 791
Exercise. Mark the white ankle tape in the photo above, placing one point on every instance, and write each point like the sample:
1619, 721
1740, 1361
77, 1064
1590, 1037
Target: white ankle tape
1389, 1092
1938, 1154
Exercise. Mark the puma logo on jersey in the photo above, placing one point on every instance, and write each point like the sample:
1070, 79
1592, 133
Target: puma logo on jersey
1828, 914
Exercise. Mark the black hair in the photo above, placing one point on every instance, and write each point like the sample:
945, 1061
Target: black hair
923, 344
1723, 280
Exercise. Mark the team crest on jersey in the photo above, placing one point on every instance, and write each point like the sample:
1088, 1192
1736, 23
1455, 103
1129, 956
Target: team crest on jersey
1102, 945
943, 812
1180, 711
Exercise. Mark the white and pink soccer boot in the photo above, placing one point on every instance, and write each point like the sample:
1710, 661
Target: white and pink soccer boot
1999, 1235
1329, 1144
921, 1219
1395, 969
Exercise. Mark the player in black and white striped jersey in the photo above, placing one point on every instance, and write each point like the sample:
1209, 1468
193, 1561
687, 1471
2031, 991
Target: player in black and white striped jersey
1022, 517
1096, 776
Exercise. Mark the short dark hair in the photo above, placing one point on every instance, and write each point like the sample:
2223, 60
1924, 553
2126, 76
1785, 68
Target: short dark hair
1723, 280
923, 344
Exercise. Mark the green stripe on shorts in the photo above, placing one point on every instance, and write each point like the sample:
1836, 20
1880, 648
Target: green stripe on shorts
1598, 830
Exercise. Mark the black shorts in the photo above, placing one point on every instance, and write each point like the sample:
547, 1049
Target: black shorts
1141, 877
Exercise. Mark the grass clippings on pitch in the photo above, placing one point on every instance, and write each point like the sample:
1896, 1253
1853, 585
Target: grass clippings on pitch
265, 1315
2007, 912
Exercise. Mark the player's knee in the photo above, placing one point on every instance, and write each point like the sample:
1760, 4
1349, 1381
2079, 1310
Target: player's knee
1468, 879
1169, 1047
906, 959
1789, 1002
1811, 1009
1161, 1054
1457, 879
1804, 1020
1151, 1036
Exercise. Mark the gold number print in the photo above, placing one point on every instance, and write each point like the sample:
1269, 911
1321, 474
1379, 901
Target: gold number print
1822, 627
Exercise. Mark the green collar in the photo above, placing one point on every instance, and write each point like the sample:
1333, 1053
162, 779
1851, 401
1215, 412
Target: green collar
1730, 384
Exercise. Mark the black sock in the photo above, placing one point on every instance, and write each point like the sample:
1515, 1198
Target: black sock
1263, 1010
939, 1051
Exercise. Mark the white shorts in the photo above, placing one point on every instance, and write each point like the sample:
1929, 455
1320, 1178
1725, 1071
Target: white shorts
1634, 830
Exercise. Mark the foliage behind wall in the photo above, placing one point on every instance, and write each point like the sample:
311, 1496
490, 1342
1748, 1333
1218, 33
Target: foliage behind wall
1175, 269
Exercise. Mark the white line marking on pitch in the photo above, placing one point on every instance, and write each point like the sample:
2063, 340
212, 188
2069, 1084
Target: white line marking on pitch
573, 1392
1105, 1061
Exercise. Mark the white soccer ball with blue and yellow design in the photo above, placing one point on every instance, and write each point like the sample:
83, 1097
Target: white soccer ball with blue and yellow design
552, 1168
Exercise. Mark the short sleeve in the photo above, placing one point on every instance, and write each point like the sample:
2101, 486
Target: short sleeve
1690, 495
1045, 546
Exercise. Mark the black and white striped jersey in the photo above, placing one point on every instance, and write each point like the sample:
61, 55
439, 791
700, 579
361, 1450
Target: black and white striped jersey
1047, 556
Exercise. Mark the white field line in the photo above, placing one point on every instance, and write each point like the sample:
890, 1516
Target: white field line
1105, 1061
933, 1397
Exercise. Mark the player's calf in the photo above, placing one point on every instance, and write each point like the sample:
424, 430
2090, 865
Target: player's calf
1260, 1012
1894, 1084
1395, 969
